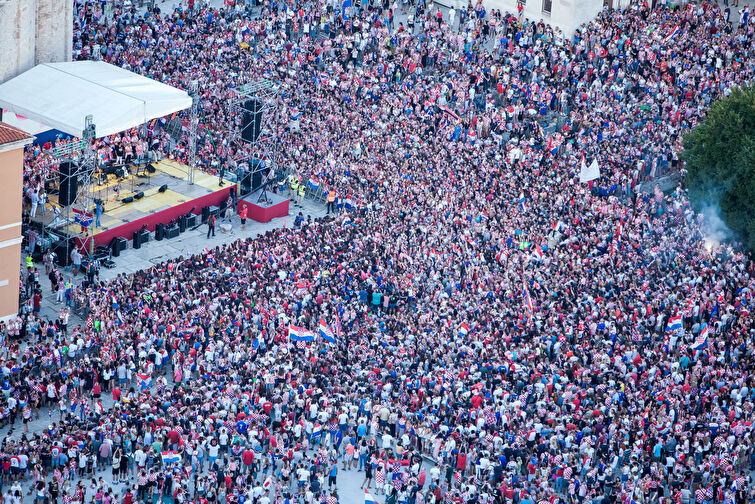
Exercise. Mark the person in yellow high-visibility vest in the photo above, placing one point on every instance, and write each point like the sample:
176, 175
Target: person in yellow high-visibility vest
302, 192
331, 200
293, 185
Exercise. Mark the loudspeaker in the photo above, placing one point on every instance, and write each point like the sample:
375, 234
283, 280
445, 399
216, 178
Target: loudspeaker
63, 249
172, 232
140, 237
151, 169
128, 199
205, 214
69, 183
259, 174
191, 220
139, 195
251, 124
246, 183
182, 223
118, 245
159, 232
163, 188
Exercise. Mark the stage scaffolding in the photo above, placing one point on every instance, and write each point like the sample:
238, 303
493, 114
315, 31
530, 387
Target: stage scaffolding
79, 212
255, 156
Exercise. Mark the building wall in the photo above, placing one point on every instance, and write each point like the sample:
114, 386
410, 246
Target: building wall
567, 15
33, 32
11, 167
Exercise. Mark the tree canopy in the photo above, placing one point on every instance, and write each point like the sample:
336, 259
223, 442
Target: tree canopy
720, 157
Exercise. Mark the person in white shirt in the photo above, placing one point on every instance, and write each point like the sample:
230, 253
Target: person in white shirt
387, 440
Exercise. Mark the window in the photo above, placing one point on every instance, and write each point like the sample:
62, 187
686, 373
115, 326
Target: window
547, 6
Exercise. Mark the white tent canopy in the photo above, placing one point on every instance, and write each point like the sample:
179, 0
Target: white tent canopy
61, 95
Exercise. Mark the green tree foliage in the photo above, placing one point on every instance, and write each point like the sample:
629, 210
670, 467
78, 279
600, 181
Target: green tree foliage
720, 157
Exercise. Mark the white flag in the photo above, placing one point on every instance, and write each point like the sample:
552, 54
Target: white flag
588, 173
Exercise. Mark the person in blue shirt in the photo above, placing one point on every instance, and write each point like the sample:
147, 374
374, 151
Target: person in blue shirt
332, 475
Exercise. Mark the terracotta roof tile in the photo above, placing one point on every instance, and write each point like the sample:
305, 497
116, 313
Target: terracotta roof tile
10, 134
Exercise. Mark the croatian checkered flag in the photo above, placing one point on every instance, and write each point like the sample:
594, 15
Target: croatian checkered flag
490, 418
700, 495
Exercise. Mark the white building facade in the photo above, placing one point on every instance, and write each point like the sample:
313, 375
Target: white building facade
567, 15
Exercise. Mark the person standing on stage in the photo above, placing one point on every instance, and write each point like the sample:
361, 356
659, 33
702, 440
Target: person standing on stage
98, 210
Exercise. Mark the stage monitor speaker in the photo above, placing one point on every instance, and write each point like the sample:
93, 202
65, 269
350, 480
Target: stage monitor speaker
139, 195
191, 220
172, 232
163, 188
69, 183
118, 245
151, 168
128, 199
141, 237
159, 232
251, 124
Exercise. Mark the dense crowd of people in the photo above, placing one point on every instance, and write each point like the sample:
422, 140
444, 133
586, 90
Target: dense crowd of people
492, 330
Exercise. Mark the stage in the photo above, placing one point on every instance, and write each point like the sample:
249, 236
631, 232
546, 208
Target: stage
122, 219
264, 209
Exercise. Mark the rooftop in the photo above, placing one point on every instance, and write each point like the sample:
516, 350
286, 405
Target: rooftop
11, 134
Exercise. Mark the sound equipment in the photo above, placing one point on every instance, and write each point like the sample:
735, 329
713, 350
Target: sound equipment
255, 177
151, 169
159, 232
163, 188
191, 220
246, 183
173, 231
251, 121
139, 195
63, 249
182, 223
140, 237
69, 183
205, 214
128, 199
108, 264
118, 245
